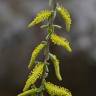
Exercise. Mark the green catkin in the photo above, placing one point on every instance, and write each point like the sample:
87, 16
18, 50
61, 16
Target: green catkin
56, 65
41, 70
29, 92
55, 90
36, 73
60, 41
66, 16
41, 16
35, 53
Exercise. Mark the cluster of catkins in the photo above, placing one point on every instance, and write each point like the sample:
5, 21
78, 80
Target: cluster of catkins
39, 68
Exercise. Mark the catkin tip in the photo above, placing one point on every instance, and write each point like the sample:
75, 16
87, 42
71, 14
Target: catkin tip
29, 92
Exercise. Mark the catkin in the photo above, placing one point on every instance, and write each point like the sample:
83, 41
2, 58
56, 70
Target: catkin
29, 92
60, 41
55, 90
56, 65
41, 16
66, 16
35, 53
36, 73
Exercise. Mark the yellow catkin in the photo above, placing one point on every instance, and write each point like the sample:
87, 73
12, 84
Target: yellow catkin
66, 16
29, 92
55, 90
35, 53
36, 73
41, 16
61, 42
56, 65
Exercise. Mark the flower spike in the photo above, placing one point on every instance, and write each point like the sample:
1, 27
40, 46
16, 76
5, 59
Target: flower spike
56, 65
61, 42
55, 90
36, 73
41, 16
66, 16
29, 92
35, 53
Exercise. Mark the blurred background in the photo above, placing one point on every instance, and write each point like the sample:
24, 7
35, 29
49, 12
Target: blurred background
17, 42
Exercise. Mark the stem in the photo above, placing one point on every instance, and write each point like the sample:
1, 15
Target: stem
52, 3
49, 32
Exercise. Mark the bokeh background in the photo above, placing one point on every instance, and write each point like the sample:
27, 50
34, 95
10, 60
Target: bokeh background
17, 42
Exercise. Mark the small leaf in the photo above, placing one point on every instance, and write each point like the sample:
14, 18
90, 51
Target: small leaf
57, 26
44, 26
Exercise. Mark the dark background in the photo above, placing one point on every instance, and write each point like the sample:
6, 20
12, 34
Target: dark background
17, 42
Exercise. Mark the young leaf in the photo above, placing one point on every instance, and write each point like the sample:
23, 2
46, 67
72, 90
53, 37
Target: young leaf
57, 26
